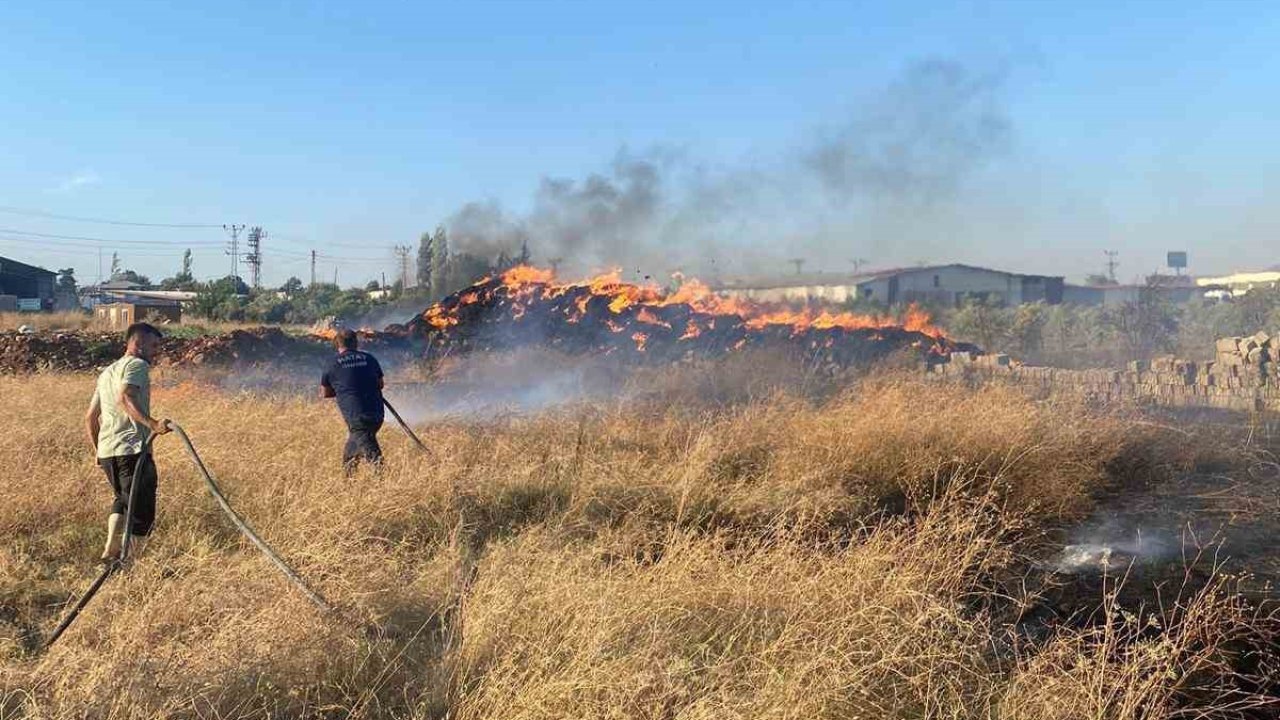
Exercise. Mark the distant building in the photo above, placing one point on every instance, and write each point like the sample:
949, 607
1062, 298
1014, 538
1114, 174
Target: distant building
119, 315
1239, 283
25, 287
92, 296
948, 285
1114, 295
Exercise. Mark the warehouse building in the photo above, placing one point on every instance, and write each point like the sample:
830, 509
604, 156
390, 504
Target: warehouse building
949, 285
25, 287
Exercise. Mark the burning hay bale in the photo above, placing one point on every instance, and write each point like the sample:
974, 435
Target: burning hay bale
526, 307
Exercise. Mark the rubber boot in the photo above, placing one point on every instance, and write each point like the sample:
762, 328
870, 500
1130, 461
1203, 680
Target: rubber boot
111, 552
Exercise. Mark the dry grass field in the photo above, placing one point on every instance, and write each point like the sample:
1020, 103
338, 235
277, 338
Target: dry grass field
66, 320
870, 555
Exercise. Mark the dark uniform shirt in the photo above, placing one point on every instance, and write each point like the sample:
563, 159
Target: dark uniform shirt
354, 377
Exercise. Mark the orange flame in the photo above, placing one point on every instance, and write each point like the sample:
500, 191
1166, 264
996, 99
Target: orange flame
609, 294
525, 281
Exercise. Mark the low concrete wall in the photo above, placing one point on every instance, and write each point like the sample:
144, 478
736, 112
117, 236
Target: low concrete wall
1245, 375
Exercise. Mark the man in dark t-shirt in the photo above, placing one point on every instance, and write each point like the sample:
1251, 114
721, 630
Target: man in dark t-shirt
354, 378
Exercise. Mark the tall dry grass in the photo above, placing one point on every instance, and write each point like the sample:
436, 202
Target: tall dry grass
76, 320
62, 320
855, 557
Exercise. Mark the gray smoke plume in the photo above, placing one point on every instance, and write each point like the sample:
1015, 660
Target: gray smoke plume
482, 228
914, 144
600, 216
920, 140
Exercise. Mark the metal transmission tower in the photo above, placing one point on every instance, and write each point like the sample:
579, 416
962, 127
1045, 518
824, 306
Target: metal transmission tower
1112, 263
254, 256
402, 256
234, 250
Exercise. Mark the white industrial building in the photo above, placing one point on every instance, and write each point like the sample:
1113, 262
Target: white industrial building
1239, 283
935, 284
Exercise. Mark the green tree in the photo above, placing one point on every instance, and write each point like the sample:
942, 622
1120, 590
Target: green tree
221, 299
1026, 329
983, 322
133, 277
439, 263
465, 269
1146, 325
1259, 310
183, 280
67, 279
292, 286
424, 263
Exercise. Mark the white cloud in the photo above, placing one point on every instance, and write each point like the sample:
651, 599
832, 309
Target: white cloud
79, 179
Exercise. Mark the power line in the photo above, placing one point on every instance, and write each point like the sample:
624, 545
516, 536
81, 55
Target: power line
74, 247
55, 236
76, 218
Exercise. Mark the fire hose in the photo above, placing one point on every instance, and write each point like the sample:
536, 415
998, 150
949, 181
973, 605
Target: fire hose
216, 492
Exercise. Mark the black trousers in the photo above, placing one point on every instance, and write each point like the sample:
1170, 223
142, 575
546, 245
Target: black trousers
120, 470
362, 443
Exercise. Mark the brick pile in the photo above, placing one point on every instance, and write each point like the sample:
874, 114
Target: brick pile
1244, 375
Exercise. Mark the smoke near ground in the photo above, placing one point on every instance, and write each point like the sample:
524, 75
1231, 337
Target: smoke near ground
904, 152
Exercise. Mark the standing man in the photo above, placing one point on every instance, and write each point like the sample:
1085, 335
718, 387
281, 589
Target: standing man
118, 423
355, 379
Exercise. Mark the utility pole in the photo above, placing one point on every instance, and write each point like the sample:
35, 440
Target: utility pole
402, 254
234, 251
1112, 263
313, 268
798, 262
254, 256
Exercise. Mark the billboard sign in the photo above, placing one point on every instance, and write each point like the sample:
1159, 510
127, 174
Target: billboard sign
1178, 259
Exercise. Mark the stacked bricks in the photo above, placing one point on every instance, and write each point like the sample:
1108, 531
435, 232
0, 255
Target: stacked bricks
1244, 375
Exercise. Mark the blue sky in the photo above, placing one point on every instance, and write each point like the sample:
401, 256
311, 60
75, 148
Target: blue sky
349, 128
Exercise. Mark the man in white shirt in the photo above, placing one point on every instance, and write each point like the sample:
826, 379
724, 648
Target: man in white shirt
118, 423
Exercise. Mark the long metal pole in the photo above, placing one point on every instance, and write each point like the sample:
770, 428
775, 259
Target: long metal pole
112, 565
405, 426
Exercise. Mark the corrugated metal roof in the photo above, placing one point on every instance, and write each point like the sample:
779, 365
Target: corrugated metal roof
7, 264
